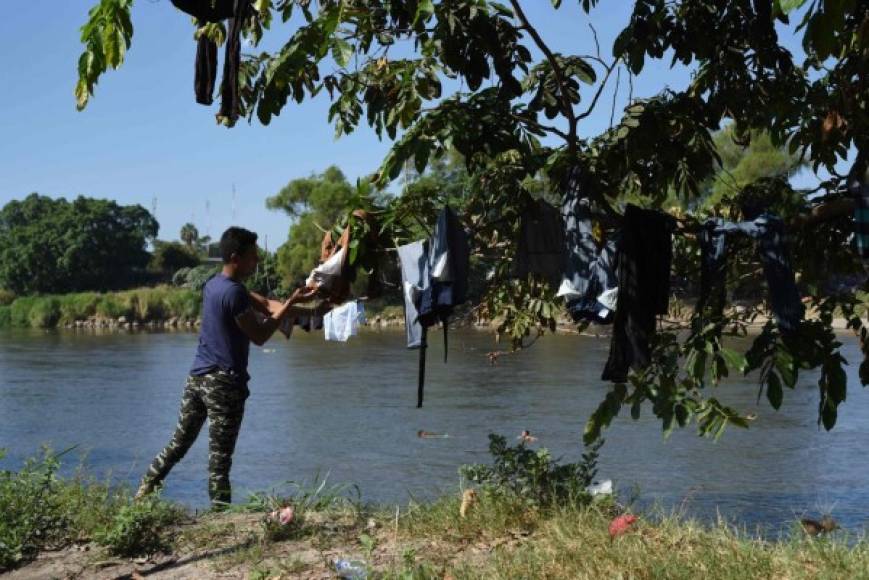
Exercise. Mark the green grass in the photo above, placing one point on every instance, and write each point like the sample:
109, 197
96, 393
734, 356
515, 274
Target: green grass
43, 511
502, 536
141, 304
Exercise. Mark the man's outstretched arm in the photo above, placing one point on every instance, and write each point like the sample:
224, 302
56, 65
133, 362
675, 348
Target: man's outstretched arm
260, 330
264, 305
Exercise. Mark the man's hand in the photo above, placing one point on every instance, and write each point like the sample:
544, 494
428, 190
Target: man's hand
302, 294
278, 310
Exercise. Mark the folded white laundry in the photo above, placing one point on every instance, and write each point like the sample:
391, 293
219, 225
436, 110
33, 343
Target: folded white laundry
343, 321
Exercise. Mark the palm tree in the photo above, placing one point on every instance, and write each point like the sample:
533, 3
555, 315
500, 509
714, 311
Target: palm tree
189, 234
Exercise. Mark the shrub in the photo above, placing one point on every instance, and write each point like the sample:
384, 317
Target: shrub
183, 303
20, 311
45, 312
139, 528
179, 278
148, 303
6, 297
78, 306
169, 256
533, 476
112, 306
31, 511
5, 316
198, 276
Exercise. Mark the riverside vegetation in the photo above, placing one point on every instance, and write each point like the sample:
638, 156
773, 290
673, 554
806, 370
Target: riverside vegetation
161, 304
531, 520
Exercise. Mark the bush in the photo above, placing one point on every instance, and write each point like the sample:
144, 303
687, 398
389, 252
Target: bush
112, 306
5, 316
139, 528
179, 278
31, 511
45, 312
147, 303
20, 311
41, 511
170, 256
78, 306
195, 278
533, 476
6, 297
183, 303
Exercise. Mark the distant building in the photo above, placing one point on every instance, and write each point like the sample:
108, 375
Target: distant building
212, 253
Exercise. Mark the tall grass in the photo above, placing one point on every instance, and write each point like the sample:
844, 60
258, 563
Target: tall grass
43, 511
141, 304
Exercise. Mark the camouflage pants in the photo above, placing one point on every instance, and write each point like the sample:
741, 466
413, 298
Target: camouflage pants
220, 398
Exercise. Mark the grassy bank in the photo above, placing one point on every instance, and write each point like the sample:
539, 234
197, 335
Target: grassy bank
139, 305
81, 527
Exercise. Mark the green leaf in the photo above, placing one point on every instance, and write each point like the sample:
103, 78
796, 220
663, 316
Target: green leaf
342, 52
424, 11
784, 364
788, 6
734, 360
774, 392
604, 414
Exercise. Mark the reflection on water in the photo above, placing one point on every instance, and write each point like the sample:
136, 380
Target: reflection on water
349, 410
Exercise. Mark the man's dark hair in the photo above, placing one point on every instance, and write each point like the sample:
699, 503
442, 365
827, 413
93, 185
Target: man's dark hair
235, 241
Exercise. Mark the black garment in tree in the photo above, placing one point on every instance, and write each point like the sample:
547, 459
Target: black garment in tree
768, 230
540, 250
230, 101
645, 252
206, 70
206, 52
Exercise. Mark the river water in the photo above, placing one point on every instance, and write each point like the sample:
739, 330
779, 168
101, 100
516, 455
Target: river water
349, 411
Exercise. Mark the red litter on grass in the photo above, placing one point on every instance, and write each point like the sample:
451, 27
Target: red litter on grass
621, 524
283, 515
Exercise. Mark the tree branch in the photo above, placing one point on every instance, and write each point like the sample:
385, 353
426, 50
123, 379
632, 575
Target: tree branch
559, 76
609, 70
824, 212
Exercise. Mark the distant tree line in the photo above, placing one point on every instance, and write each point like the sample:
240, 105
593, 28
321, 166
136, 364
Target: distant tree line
53, 245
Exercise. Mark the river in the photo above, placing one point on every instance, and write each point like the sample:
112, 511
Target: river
348, 410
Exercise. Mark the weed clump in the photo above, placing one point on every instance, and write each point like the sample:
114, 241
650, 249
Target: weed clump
139, 528
532, 476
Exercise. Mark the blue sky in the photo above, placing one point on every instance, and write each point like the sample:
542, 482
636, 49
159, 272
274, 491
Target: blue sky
143, 137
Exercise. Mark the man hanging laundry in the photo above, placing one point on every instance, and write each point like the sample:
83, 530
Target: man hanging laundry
216, 389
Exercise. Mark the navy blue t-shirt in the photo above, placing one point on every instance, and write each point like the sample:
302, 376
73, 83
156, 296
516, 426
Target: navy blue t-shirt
222, 344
